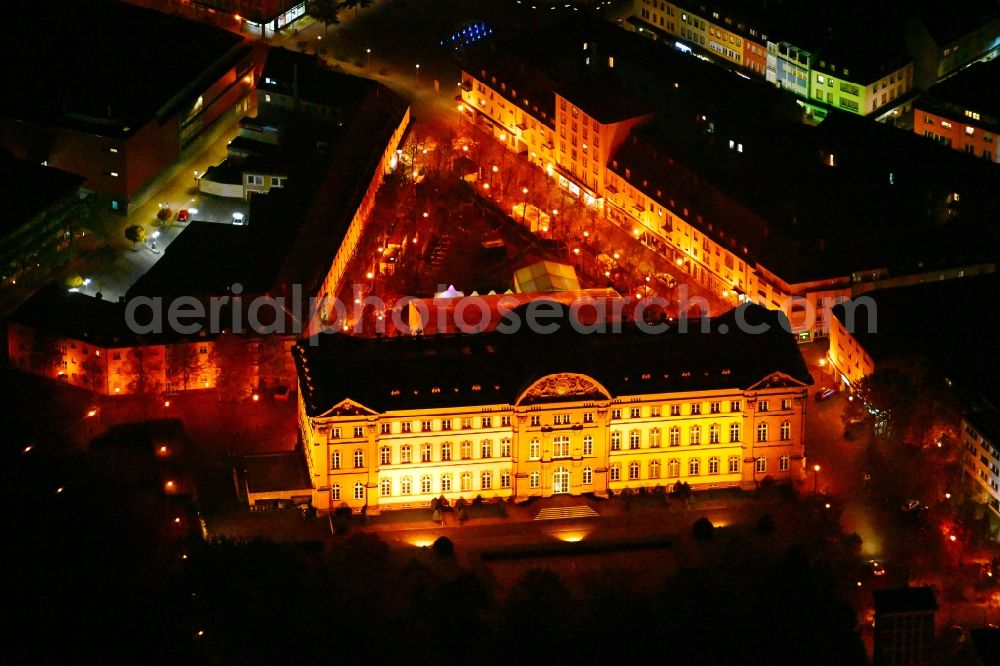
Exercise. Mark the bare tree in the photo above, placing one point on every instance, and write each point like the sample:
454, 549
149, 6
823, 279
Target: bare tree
143, 369
183, 362
234, 366
94, 373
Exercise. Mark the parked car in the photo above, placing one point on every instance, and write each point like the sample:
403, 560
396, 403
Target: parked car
239, 219
823, 394
183, 215
912, 506
877, 568
666, 280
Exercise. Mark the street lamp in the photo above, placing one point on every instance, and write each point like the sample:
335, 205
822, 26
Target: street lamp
369, 52
524, 204
418, 73
816, 469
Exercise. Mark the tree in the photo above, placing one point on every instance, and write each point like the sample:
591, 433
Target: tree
765, 525
702, 529
271, 361
142, 369
356, 4
682, 491
233, 365
136, 234
325, 11
93, 373
183, 361
444, 548
46, 353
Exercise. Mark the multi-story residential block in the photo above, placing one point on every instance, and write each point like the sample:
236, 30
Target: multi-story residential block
981, 458
963, 111
871, 62
120, 121
858, 79
904, 626
721, 28
85, 341
530, 414
593, 117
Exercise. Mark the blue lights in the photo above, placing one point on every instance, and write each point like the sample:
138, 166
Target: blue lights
468, 34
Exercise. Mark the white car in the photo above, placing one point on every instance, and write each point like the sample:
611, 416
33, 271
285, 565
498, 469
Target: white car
239, 219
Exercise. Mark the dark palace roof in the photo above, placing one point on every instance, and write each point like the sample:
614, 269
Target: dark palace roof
402, 373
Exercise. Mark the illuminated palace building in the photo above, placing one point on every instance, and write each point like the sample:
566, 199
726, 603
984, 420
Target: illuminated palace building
395, 422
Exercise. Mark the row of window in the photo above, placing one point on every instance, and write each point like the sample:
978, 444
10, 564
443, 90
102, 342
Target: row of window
468, 423
561, 444
634, 469
445, 483
694, 467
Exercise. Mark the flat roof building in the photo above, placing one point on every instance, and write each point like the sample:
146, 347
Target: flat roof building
95, 108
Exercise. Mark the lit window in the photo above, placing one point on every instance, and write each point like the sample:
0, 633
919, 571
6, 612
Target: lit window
761, 432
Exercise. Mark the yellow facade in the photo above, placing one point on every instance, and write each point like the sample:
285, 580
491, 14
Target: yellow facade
721, 438
848, 359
